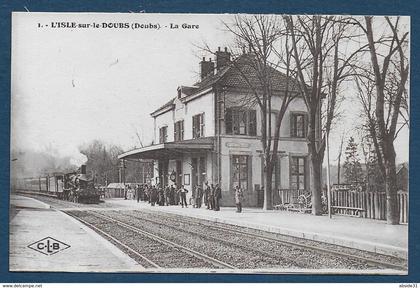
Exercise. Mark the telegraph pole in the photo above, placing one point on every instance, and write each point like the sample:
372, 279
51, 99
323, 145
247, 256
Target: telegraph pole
123, 178
328, 176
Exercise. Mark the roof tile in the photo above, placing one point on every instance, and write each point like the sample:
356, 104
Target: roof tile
232, 76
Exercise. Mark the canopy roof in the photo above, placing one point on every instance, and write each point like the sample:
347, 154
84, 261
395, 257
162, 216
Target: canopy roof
170, 150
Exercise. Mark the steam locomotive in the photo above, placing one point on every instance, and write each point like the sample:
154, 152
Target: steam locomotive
74, 186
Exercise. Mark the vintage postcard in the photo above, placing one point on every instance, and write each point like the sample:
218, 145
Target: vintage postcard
209, 143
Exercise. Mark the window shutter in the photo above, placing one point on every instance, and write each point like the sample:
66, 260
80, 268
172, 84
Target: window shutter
243, 122
228, 121
202, 125
165, 134
181, 133
252, 122
305, 124
292, 125
194, 125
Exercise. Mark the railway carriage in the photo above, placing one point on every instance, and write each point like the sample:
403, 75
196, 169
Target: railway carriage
74, 186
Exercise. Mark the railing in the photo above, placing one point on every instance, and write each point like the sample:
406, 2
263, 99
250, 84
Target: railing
370, 205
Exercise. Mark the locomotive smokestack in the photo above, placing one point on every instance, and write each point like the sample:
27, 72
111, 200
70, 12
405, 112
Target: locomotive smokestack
83, 169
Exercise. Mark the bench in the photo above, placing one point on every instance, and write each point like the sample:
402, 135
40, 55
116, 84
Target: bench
279, 207
301, 203
297, 207
354, 209
302, 210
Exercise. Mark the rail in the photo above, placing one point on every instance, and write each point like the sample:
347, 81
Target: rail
150, 262
307, 246
168, 242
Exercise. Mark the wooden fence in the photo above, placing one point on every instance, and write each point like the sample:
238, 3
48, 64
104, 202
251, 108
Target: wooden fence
352, 202
372, 204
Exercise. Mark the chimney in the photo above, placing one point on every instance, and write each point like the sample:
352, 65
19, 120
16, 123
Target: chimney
222, 58
83, 169
206, 68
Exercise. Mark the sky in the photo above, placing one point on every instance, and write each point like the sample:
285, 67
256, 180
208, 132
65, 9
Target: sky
73, 85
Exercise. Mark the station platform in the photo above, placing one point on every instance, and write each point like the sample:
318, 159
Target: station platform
360, 233
80, 248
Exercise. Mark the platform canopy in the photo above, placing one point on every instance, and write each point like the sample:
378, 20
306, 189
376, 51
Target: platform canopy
170, 150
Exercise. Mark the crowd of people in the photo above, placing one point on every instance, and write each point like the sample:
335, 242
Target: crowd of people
209, 195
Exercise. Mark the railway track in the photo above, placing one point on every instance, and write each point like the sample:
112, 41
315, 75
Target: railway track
205, 231
277, 259
171, 249
319, 249
399, 264
147, 262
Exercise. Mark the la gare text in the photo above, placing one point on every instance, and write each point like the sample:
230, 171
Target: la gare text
118, 25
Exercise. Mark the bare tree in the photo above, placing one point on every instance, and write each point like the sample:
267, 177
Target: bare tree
137, 136
322, 60
102, 160
383, 94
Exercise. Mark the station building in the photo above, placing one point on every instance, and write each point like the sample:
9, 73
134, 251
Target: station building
210, 131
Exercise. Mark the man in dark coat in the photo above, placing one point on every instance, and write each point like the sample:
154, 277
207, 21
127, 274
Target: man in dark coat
167, 193
207, 194
217, 197
147, 193
211, 196
172, 195
143, 192
183, 192
198, 196
238, 199
138, 187
161, 195
176, 195
153, 195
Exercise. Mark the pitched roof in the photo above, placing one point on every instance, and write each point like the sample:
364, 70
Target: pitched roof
211, 79
188, 90
166, 105
232, 76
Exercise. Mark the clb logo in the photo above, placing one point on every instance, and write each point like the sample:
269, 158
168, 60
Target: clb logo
48, 246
